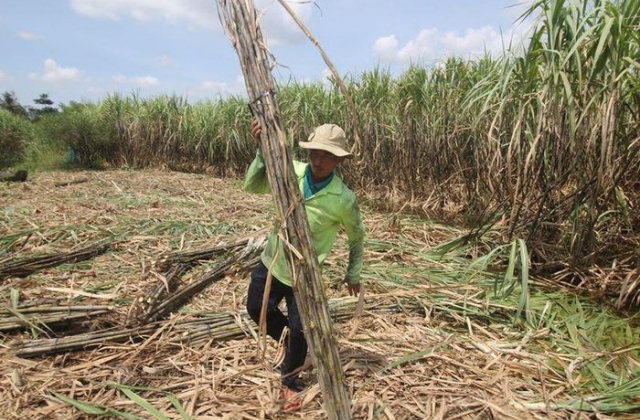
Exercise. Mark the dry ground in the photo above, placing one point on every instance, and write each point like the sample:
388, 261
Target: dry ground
404, 358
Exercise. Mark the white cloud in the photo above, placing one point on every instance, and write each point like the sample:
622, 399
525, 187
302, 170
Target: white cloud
278, 25
387, 49
199, 13
434, 45
55, 73
474, 41
3, 75
29, 36
141, 81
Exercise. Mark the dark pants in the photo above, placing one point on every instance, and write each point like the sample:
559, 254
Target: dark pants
295, 345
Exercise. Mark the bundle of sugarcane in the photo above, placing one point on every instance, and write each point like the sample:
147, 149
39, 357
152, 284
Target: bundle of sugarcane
22, 267
228, 325
218, 326
241, 22
163, 298
191, 257
144, 308
47, 317
41, 347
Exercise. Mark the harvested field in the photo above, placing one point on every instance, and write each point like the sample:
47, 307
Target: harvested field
79, 250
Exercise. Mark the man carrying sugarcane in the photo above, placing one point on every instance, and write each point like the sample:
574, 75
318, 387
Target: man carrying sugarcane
329, 205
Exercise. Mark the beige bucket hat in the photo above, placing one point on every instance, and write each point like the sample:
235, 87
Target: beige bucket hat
330, 138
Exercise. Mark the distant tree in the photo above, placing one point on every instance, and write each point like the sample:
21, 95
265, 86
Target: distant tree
10, 102
73, 106
45, 107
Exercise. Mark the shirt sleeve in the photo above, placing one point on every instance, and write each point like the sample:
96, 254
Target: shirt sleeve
256, 180
354, 228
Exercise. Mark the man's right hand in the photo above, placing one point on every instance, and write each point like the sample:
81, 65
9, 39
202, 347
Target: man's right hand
353, 289
255, 129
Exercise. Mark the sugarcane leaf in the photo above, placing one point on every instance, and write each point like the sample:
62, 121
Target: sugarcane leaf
95, 409
80, 405
176, 403
524, 281
129, 391
15, 297
143, 403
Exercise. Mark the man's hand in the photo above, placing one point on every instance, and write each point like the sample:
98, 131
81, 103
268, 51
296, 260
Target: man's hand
255, 129
354, 289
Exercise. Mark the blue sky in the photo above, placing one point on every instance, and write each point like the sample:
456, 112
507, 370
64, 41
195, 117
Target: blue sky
83, 50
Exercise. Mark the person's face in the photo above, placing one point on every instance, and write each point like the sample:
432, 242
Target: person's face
323, 163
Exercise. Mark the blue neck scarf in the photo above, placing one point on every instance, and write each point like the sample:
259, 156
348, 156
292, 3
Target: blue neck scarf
311, 187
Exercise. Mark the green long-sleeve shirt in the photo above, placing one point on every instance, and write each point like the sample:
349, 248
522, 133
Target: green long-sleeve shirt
328, 209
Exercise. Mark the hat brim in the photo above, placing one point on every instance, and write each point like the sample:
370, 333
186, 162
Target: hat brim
336, 151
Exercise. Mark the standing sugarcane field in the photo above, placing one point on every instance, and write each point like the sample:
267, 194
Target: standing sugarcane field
501, 263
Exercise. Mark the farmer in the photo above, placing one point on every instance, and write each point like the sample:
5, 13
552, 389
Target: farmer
329, 204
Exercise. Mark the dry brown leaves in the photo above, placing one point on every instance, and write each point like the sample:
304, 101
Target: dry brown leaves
401, 365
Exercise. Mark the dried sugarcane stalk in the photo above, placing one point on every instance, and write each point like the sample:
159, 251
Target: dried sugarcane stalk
184, 295
26, 266
144, 308
241, 23
72, 182
49, 317
226, 325
95, 339
217, 326
164, 299
191, 257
